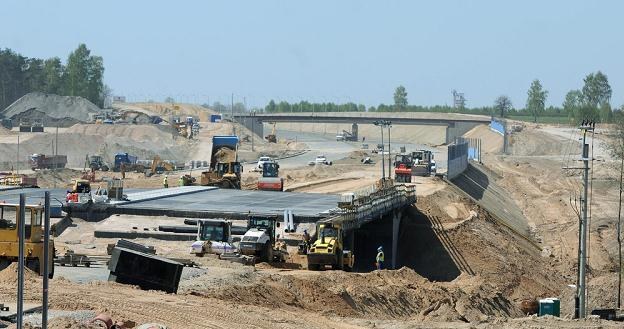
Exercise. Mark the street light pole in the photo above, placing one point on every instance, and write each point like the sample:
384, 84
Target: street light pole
383, 164
389, 124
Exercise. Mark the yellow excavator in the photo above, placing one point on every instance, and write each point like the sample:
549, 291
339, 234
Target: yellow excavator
272, 138
159, 166
328, 249
33, 243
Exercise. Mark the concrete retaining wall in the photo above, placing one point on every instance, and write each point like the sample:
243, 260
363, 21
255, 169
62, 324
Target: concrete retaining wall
457, 159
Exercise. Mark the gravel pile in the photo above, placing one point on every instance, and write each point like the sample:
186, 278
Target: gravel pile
52, 109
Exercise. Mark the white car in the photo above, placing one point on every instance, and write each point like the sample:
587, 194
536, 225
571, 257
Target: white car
320, 160
261, 162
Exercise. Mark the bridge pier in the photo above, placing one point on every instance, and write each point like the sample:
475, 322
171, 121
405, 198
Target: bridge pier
396, 224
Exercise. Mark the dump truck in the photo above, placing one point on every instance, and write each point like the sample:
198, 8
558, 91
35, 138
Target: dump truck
260, 239
129, 163
42, 161
424, 164
224, 170
328, 249
33, 243
403, 164
270, 180
213, 237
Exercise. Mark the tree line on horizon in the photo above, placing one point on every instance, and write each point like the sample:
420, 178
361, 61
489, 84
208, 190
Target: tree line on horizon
591, 102
81, 75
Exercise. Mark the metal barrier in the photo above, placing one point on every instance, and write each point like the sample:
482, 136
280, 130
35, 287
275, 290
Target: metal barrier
457, 158
373, 202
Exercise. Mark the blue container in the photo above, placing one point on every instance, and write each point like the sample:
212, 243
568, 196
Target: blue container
56, 211
215, 117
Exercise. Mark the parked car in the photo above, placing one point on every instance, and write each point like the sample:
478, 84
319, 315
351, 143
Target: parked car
320, 160
261, 162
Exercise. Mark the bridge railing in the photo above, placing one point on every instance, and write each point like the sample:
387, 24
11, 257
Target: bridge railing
374, 202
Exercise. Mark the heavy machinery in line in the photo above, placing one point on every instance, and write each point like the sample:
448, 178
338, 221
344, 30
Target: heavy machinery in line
403, 164
270, 180
272, 137
42, 161
80, 192
214, 236
424, 164
159, 166
96, 162
128, 163
224, 170
260, 239
329, 249
33, 243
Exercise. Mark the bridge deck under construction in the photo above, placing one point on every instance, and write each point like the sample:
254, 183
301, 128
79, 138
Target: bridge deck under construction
196, 202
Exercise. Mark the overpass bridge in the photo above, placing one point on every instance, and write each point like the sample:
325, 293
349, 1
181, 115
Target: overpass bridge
456, 124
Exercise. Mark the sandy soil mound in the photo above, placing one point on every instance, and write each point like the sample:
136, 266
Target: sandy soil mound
9, 274
531, 141
54, 109
166, 109
133, 132
491, 142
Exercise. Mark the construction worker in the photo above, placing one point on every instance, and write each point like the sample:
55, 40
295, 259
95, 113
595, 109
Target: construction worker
181, 181
306, 240
123, 170
379, 260
166, 181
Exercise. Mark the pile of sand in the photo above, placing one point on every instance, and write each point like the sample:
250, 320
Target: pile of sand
491, 142
9, 274
146, 132
52, 109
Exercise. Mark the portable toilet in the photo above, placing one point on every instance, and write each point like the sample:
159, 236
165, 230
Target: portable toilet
546, 307
556, 306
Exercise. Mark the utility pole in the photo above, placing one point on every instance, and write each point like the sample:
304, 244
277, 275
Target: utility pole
389, 125
619, 236
380, 123
586, 126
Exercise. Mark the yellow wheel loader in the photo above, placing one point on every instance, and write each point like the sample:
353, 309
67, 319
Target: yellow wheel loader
33, 243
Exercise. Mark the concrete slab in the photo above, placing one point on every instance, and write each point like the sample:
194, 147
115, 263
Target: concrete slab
228, 203
148, 195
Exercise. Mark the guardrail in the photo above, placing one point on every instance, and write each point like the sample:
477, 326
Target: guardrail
373, 202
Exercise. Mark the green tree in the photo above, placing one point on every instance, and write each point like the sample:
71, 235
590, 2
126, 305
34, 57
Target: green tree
84, 75
596, 90
169, 99
53, 71
503, 105
400, 98
271, 108
536, 99
573, 101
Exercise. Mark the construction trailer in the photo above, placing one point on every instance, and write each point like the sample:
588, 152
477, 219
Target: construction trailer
260, 240
224, 170
403, 164
9, 241
329, 249
12, 179
214, 236
42, 161
424, 164
270, 180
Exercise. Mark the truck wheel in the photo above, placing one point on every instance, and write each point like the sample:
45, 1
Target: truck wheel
314, 267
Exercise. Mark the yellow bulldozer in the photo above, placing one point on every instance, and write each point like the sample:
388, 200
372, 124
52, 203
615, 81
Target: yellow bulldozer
33, 243
328, 249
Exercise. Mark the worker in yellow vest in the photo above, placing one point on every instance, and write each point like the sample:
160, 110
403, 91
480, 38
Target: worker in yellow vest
166, 181
181, 181
379, 260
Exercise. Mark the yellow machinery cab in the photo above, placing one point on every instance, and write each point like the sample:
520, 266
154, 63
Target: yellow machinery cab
328, 249
33, 243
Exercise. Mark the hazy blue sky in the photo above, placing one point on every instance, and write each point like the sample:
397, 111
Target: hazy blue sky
330, 50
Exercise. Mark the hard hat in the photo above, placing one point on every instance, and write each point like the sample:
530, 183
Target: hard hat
380, 248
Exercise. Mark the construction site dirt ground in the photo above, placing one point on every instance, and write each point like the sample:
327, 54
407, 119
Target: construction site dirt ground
460, 269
